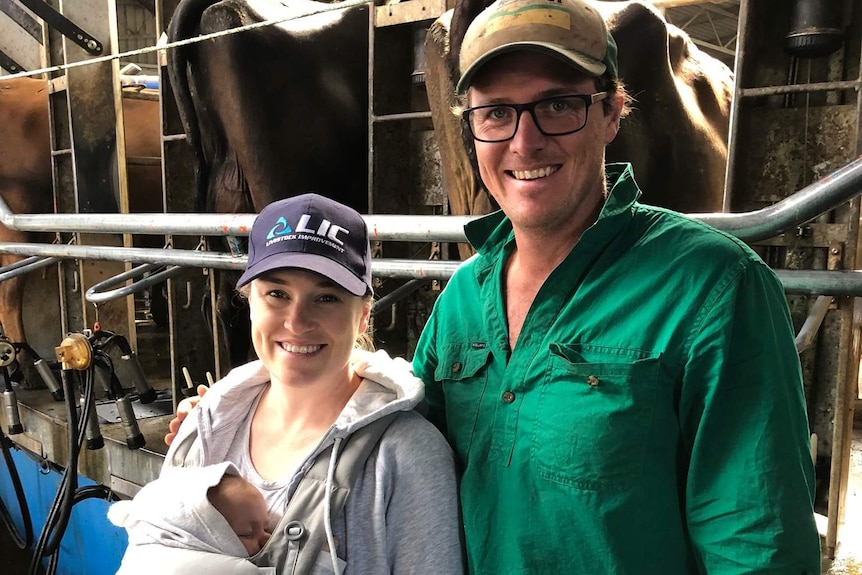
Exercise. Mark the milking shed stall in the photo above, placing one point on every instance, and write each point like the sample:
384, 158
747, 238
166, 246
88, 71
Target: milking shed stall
117, 292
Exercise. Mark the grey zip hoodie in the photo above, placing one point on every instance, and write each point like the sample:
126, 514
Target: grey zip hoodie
401, 516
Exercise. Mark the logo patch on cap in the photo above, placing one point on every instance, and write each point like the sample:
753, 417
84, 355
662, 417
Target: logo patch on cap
325, 233
279, 229
313, 233
549, 15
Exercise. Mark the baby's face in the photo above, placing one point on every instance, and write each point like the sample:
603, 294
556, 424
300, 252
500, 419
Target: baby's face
243, 507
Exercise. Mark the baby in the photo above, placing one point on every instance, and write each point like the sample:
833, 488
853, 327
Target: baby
242, 505
206, 518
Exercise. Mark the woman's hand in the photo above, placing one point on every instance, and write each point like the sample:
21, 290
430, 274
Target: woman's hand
183, 409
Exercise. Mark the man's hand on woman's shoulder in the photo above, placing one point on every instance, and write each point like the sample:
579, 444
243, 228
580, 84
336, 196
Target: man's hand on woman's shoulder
183, 409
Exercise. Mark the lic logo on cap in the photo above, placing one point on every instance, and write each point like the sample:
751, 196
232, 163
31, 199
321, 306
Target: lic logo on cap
279, 229
326, 229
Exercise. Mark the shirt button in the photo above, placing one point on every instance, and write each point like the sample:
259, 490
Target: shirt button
592, 380
508, 397
456, 367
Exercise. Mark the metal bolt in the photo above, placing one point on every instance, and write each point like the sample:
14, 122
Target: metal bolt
92, 45
835, 251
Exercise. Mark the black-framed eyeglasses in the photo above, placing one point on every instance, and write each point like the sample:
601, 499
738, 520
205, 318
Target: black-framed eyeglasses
554, 116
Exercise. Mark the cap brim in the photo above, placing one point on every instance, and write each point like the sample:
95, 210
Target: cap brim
308, 262
584, 63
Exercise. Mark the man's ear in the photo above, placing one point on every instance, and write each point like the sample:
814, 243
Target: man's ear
612, 118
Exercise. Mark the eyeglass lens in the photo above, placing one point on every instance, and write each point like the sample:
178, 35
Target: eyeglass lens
554, 116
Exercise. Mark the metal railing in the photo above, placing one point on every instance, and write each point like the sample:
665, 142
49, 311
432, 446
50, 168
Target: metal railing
811, 201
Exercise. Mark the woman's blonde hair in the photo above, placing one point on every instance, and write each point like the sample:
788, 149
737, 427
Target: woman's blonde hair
364, 340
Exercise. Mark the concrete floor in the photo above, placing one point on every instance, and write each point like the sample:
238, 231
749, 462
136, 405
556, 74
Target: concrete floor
848, 557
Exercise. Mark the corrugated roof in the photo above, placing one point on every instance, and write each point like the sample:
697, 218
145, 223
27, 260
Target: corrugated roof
712, 26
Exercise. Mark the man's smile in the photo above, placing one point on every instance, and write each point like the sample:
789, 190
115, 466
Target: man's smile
533, 174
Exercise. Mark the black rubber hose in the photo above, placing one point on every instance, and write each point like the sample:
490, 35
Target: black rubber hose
27, 540
70, 475
82, 493
94, 492
61, 510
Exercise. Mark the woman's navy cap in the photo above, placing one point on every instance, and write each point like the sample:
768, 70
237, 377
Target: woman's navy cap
311, 232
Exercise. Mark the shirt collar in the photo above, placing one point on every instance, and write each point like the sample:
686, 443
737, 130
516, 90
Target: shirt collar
623, 191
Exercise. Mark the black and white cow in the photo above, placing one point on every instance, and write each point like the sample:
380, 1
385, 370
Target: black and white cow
282, 110
271, 112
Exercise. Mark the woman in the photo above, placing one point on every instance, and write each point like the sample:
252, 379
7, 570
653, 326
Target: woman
315, 419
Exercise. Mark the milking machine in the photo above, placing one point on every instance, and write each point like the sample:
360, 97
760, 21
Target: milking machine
75, 355
87, 366
815, 28
10, 400
8, 366
88, 353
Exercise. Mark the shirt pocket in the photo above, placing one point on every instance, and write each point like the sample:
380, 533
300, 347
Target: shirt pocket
462, 370
594, 415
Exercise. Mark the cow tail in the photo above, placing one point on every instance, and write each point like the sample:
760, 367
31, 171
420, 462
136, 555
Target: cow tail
184, 24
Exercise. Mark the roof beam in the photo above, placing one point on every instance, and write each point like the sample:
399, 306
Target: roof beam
720, 49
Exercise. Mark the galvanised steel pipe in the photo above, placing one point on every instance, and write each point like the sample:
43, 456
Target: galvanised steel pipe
188, 258
809, 202
812, 324
25, 266
811, 282
804, 205
96, 295
813, 200
380, 227
384, 268
817, 282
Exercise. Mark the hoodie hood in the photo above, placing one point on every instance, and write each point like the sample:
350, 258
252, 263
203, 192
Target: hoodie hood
387, 385
174, 511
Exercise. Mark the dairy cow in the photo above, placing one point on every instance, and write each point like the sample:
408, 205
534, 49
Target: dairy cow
25, 172
271, 112
282, 110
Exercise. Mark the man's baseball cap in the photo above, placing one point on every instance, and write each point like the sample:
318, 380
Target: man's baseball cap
313, 233
571, 30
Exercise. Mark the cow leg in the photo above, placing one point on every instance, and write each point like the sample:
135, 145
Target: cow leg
11, 294
12, 301
11, 298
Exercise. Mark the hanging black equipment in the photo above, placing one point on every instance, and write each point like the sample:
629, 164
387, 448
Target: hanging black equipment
815, 28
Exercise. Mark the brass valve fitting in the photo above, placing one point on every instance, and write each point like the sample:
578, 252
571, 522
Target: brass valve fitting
75, 352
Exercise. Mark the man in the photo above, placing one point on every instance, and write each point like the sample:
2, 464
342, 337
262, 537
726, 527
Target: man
619, 383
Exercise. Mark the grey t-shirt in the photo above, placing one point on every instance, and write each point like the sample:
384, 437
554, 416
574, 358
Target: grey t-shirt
275, 493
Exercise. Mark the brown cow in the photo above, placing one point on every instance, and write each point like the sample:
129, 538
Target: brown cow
25, 172
25, 179
676, 135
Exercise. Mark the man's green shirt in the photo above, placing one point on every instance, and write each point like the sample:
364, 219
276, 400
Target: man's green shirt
651, 418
